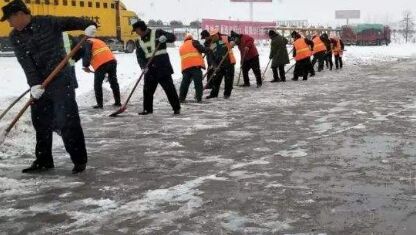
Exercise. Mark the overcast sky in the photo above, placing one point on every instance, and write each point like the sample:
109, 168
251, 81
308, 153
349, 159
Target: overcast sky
316, 11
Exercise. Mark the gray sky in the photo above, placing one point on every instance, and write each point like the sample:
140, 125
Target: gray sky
372, 11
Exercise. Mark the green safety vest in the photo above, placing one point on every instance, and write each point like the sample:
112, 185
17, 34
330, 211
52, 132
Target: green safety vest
67, 46
150, 46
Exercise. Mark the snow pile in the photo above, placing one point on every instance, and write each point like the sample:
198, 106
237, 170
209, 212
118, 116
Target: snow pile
378, 54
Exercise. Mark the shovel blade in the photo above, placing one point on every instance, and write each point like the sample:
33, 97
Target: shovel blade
118, 112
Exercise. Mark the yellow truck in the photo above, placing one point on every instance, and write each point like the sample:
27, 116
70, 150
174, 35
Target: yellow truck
113, 18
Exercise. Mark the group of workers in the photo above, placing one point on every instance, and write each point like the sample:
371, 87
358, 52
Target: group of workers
41, 43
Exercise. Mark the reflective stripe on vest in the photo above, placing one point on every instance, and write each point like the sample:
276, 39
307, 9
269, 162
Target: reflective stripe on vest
150, 46
318, 45
302, 49
67, 46
190, 57
101, 53
231, 56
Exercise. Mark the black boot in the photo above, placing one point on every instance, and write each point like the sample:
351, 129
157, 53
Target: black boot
97, 106
145, 113
275, 80
177, 112
78, 168
37, 167
244, 85
210, 97
117, 104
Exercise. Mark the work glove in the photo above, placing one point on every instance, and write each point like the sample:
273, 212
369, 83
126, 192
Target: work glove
162, 39
90, 31
37, 91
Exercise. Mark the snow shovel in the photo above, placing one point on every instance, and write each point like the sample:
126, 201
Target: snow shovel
216, 69
123, 108
291, 67
267, 67
45, 84
241, 67
13, 104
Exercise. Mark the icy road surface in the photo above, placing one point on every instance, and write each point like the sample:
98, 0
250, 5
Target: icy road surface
333, 155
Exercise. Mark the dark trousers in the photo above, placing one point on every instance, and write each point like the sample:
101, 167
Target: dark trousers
252, 64
58, 110
226, 72
190, 74
209, 76
328, 59
151, 80
303, 68
338, 62
109, 68
281, 72
320, 58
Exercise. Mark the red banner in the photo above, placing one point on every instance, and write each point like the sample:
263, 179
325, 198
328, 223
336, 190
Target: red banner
254, 29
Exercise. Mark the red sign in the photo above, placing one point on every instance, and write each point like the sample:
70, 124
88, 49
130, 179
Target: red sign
254, 29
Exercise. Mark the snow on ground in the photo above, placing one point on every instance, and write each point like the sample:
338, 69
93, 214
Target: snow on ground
332, 155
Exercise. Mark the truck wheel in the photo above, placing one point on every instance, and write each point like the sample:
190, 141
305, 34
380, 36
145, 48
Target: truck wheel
130, 46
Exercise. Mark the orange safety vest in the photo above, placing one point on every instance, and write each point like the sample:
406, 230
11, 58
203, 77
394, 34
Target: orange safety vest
101, 53
337, 49
303, 50
318, 45
231, 56
190, 56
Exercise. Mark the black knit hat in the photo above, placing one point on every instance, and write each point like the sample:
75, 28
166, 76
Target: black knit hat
234, 34
204, 34
272, 33
295, 34
12, 8
139, 24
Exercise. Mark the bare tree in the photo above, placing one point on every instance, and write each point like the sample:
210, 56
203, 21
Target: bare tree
407, 25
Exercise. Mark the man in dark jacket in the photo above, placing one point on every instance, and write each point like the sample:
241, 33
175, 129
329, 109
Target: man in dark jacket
249, 57
221, 51
328, 57
98, 55
39, 48
278, 55
302, 52
160, 70
209, 57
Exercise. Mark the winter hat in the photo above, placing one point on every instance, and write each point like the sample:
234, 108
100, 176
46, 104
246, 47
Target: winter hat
12, 8
139, 24
234, 34
204, 34
272, 33
188, 36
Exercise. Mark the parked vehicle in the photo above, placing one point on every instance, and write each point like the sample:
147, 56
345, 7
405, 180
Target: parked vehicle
111, 14
366, 34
